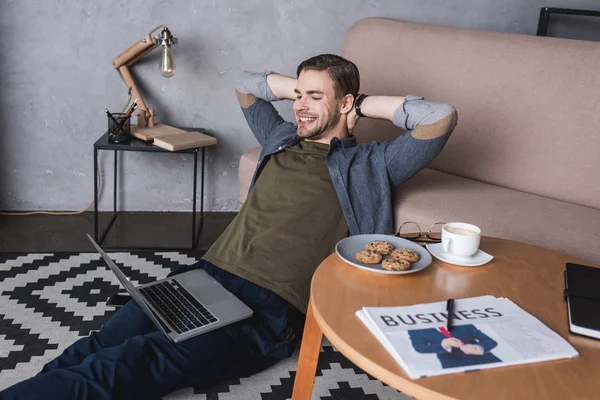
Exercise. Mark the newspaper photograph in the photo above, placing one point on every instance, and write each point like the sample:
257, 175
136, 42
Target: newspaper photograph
486, 332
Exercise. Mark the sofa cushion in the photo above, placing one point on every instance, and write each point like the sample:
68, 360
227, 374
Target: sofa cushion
527, 106
248, 163
432, 196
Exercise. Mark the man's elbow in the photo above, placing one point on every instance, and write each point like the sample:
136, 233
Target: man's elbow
441, 127
243, 82
243, 90
245, 99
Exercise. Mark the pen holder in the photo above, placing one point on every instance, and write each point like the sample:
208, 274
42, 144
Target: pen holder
119, 129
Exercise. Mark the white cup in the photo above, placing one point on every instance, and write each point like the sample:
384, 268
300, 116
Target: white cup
460, 239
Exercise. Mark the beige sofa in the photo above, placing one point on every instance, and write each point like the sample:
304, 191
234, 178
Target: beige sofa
523, 162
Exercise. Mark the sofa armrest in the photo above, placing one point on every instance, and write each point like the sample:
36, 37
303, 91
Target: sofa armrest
248, 163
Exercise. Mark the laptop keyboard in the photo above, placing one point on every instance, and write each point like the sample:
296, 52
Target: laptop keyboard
177, 306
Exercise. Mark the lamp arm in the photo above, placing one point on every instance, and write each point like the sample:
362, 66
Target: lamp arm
138, 50
126, 59
128, 79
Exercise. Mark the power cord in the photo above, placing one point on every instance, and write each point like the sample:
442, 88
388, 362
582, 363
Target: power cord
97, 172
60, 212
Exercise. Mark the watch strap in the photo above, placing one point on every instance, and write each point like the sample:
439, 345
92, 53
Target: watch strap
358, 103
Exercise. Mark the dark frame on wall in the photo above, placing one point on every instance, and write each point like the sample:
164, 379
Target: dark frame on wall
545, 12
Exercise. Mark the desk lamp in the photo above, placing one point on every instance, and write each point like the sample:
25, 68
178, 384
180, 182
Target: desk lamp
135, 53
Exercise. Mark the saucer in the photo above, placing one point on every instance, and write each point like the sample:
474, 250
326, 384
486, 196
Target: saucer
479, 258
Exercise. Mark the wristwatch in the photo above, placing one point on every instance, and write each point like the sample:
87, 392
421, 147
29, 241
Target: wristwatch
358, 103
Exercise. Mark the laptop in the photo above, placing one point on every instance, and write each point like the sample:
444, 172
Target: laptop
185, 305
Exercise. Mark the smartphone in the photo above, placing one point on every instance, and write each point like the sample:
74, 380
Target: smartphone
118, 300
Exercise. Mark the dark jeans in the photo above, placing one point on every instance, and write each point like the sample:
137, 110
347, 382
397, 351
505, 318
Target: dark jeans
129, 358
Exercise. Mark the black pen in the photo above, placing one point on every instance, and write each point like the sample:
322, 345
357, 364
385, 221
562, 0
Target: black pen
450, 310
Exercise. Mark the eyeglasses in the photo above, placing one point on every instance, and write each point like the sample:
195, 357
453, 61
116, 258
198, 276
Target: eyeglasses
433, 235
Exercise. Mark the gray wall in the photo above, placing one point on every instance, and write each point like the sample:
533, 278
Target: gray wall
56, 79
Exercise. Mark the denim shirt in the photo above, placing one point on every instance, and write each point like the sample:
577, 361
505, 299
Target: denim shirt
364, 175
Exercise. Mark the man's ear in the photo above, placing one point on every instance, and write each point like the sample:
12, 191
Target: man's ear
347, 104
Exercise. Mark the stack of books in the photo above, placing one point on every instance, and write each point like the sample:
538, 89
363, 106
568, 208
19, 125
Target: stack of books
173, 139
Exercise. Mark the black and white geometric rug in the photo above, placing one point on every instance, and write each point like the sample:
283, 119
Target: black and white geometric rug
47, 301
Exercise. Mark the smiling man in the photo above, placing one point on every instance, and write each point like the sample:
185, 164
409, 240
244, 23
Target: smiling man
313, 186
316, 114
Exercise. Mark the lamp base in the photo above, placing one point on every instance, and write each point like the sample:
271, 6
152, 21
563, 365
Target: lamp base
146, 118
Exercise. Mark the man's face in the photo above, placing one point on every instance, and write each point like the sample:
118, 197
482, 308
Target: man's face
315, 107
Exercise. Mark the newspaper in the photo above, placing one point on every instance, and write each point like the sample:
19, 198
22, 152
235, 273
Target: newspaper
486, 332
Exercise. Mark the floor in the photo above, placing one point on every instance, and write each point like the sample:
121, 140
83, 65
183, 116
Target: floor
336, 376
51, 233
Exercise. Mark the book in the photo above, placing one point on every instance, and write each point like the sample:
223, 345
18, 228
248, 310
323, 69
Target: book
184, 140
148, 134
582, 292
486, 332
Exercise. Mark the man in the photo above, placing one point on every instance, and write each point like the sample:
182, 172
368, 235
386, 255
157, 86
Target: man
464, 346
313, 185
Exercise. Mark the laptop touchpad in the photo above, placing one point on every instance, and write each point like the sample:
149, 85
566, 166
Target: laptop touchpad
211, 294
208, 294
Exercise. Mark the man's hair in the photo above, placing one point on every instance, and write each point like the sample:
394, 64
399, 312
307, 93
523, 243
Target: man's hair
344, 73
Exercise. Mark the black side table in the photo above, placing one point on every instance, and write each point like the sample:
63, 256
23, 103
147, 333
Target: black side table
138, 145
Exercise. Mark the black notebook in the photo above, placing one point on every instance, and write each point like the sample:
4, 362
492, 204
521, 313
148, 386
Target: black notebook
582, 292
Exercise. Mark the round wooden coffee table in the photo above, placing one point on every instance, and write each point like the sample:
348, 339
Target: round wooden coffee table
530, 276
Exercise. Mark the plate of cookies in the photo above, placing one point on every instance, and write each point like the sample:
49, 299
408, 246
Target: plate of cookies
383, 254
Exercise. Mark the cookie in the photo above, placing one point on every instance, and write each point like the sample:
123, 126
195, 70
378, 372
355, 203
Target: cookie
381, 247
395, 265
405, 254
368, 257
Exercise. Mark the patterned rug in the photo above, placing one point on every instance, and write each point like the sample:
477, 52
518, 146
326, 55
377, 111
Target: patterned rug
47, 301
